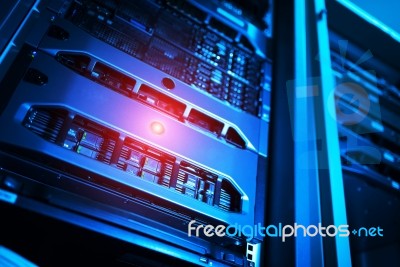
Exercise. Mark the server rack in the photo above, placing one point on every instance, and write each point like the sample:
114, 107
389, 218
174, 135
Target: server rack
325, 190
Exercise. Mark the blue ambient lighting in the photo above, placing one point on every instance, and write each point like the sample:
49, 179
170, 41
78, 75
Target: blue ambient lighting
371, 19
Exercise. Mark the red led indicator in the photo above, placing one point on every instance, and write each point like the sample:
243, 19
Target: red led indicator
157, 127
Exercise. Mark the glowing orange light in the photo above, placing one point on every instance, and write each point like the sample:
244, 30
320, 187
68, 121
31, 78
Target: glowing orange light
157, 127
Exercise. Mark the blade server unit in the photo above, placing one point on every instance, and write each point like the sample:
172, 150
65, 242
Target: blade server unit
145, 114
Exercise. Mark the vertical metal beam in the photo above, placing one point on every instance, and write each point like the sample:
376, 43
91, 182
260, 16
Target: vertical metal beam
318, 177
280, 195
307, 205
305, 179
333, 209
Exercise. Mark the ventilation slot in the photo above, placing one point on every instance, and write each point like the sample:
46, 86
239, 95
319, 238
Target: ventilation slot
145, 162
245, 43
233, 137
230, 198
222, 29
91, 140
166, 181
113, 79
76, 62
196, 183
160, 101
210, 124
46, 123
